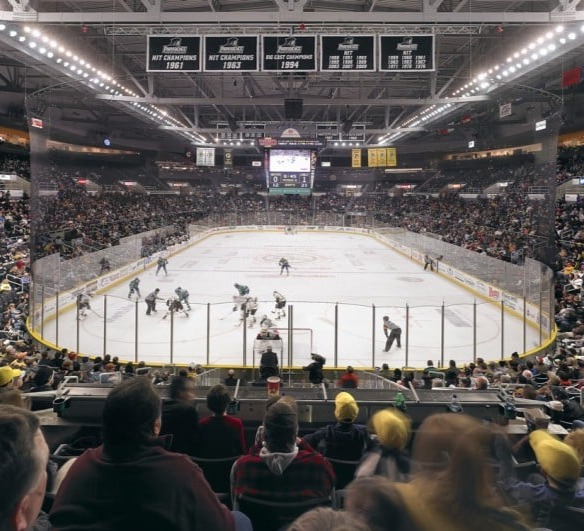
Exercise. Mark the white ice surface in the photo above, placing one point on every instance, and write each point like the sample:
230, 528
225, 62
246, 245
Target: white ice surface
352, 270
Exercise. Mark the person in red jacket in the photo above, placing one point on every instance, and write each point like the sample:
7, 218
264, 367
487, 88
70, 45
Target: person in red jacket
220, 435
349, 380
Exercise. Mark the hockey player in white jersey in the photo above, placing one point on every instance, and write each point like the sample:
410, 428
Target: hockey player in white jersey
251, 307
280, 310
174, 305
83, 300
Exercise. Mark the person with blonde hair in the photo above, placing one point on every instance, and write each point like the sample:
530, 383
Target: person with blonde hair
460, 492
327, 519
388, 458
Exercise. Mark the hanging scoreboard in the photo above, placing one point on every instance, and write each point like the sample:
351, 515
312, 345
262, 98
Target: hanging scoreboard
406, 53
341, 53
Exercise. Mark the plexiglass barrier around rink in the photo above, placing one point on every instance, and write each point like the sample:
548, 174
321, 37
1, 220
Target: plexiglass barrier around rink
100, 216
520, 297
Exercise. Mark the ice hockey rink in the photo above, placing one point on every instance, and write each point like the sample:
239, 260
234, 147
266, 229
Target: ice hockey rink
351, 279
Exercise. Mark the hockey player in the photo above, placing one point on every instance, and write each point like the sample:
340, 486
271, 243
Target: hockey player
241, 289
265, 333
161, 264
251, 307
284, 265
83, 300
428, 262
280, 305
266, 323
240, 299
174, 305
134, 288
183, 296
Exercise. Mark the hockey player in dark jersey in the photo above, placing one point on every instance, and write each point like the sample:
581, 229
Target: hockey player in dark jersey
284, 265
240, 299
134, 288
161, 264
183, 296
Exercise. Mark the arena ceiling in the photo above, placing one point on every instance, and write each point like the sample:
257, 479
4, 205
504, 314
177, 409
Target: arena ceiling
147, 109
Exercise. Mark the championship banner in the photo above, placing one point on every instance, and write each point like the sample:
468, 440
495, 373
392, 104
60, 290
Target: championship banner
355, 158
173, 53
339, 53
381, 157
289, 53
231, 53
228, 158
391, 156
405, 53
372, 157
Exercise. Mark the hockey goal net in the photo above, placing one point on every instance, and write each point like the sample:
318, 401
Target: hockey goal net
302, 344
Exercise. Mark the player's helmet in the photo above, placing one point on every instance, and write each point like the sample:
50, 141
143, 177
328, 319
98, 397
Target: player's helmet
236, 285
177, 290
385, 318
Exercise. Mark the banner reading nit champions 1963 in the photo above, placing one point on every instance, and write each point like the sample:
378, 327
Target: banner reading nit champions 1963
231, 53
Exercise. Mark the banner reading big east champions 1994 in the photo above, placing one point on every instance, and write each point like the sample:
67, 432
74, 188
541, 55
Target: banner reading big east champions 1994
174, 53
231, 53
289, 53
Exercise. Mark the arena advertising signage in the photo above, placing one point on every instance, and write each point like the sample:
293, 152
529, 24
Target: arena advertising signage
289, 53
231, 53
339, 53
405, 53
173, 53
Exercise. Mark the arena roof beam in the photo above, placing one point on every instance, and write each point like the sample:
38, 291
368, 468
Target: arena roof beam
264, 101
296, 17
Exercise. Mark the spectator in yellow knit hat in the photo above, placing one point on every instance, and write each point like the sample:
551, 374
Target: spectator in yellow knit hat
389, 457
344, 440
559, 464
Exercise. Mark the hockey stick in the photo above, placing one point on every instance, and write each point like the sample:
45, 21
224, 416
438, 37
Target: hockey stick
92, 310
226, 315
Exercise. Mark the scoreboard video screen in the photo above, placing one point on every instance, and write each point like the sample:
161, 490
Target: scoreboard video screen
290, 171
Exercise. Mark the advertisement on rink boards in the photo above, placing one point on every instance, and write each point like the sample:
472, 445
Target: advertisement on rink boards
339, 53
289, 53
173, 53
231, 53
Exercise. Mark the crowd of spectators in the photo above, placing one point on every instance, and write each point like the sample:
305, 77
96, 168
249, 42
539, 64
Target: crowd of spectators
452, 468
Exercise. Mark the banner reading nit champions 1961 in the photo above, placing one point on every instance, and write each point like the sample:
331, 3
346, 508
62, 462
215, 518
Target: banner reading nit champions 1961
173, 53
